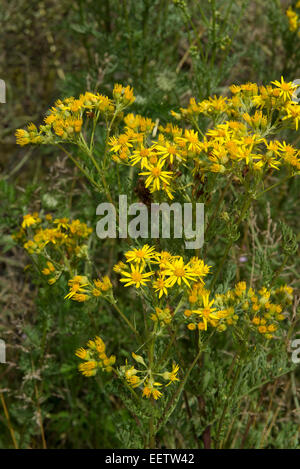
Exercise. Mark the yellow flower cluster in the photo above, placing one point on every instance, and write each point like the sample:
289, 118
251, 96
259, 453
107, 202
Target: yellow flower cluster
241, 140
203, 312
65, 119
132, 147
60, 242
163, 316
146, 378
293, 18
81, 289
162, 269
262, 311
137, 130
95, 358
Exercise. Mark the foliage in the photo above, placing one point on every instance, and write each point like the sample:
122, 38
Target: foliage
124, 343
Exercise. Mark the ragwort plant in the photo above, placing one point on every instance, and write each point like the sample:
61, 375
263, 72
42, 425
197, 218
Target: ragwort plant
226, 152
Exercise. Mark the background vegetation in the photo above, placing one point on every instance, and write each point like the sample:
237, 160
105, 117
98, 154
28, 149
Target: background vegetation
168, 51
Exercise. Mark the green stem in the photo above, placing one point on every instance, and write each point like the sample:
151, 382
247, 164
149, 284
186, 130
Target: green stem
126, 320
83, 171
278, 271
277, 184
247, 202
221, 421
100, 172
179, 390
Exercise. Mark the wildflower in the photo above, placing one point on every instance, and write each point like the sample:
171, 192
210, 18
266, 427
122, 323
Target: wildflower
136, 277
176, 271
293, 19
172, 375
88, 369
104, 284
199, 268
22, 137
150, 389
162, 315
293, 112
240, 289
82, 353
169, 151
95, 358
143, 156
207, 313
191, 139
30, 219
120, 143
49, 269
119, 267
123, 94
77, 286
156, 175
286, 88
160, 286
141, 255
61, 223
132, 378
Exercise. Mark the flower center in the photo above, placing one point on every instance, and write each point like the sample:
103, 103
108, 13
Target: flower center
140, 253
156, 172
172, 150
144, 152
193, 138
286, 86
123, 139
179, 272
206, 312
136, 276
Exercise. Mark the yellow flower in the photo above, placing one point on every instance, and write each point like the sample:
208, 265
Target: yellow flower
80, 297
162, 315
77, 288
150, 390
22, 137
293, 19
143, 156
89, 368
122, 94
95, 358
172, 375
176, 271
117, 144
49, 269
136, 277
132, 378
156, 175
81, 353
61, 223
191, 139
286, 88
141, 255
207, 312
30, 219
160, 285
169, 151
118, 267
293, 112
